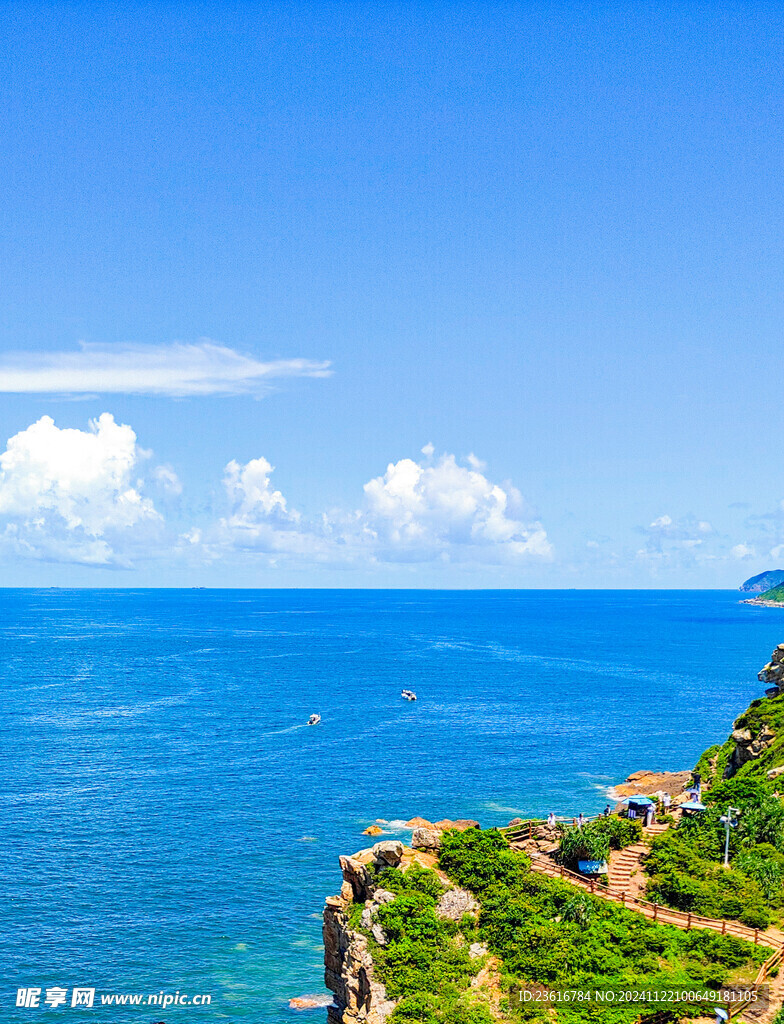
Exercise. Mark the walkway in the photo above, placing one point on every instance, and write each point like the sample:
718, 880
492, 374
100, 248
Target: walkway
621, 888
625, 866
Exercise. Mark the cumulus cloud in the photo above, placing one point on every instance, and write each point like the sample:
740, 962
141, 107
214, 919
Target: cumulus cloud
442, 509
176, 370
69, 495
259, 518
434, 510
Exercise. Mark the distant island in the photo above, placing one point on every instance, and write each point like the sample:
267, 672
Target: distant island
763, 582
769, 588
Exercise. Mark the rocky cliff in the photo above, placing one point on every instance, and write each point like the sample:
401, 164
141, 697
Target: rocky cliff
359, 998
349, 918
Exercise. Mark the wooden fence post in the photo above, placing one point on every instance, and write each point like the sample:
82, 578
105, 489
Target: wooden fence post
623, 899
723, 927
756, 936
688, 922
655, 911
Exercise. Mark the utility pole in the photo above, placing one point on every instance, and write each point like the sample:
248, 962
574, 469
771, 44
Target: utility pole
730, 821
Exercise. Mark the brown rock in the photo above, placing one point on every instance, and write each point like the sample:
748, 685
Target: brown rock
373, 830
349, 972
357, 876
646, 783
309, 1002
419, 823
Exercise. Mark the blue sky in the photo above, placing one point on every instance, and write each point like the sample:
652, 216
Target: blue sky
540, 241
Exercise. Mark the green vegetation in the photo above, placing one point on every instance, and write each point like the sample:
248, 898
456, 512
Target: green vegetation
595, 840
425, 963
685, 865
544, 932
774, 594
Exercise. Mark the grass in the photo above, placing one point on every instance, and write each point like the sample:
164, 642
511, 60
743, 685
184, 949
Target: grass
543, 933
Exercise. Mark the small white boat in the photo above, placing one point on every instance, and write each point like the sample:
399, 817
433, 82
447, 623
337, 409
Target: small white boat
314, 719
408, 695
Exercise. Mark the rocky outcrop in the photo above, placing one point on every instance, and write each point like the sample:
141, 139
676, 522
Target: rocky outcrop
773, 673
419, 823
748, 747
455, 903
388, 853
648, 783
461, 824
348, 971
359, 998
426, 839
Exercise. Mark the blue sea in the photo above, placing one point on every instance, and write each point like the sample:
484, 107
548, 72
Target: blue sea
170, 824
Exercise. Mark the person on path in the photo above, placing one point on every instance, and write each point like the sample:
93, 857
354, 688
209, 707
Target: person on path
649, 816
580, 820
667, 801
607, 811
551, 820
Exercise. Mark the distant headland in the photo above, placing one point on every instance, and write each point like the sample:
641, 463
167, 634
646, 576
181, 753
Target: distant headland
767, 586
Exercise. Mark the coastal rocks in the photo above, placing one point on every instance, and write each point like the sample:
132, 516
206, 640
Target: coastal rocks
646, 783
357, 882
454, 903
373, 830
368, 920
773, 672
747, 748
309, 1002
419, 823
359, 998
426, 839
389, 852
477, 949
461, 824
776, 773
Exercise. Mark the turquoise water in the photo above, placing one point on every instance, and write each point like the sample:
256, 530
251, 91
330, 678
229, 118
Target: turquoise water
168, 823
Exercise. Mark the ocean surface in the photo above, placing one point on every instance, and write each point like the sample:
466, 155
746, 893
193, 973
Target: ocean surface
170, 824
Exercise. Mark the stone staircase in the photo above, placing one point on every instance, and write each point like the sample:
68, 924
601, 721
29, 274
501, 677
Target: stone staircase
627, 863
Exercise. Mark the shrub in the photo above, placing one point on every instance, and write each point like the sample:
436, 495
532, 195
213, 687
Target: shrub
547, 932
586, 843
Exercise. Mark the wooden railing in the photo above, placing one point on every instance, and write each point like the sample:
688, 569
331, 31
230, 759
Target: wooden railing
679, 918
762, 976
663, 915
527, 829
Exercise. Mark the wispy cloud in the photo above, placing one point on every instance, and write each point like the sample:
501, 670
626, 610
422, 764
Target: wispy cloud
177, 370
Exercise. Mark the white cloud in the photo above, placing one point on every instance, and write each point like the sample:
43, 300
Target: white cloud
433, 511
743, 551
259, 518
176, 370
423, 511
168, 481
68, 495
